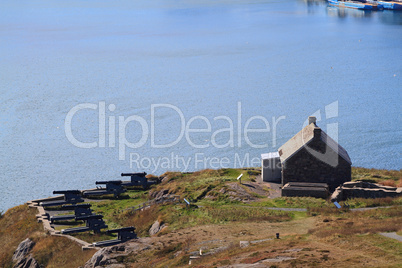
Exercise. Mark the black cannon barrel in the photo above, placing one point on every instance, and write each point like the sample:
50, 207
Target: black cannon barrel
133, 174
89, 217
67, 192
106, 182
77, 206
124, 229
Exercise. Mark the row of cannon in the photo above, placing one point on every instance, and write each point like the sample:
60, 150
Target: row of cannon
73, 202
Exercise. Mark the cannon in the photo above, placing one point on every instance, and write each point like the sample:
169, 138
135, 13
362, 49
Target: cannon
109, 182
70, 197
137, 179
74, 207
79, 210
123, 235
92, 223
138, 174
112, 187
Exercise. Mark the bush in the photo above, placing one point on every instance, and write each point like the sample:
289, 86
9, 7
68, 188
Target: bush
388, 183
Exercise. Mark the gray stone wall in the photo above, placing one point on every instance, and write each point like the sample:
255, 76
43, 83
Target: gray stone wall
364, 190
304, 167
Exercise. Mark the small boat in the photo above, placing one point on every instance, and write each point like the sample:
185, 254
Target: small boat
393, 5
356, 5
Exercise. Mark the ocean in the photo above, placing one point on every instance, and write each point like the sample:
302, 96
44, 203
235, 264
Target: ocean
91, 89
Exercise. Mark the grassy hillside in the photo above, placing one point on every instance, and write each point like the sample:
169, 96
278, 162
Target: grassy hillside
382, 176
223, 213
19, 223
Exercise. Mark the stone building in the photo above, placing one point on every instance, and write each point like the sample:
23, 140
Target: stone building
314, 157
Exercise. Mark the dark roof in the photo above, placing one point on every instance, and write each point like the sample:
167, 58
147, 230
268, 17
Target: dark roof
301, 139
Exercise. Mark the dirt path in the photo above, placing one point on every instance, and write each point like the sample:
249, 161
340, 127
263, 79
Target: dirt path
392, 235
364, 209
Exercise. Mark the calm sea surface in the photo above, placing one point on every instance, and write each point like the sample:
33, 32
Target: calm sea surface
215, 65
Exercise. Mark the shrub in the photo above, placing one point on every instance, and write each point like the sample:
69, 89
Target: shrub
388, 183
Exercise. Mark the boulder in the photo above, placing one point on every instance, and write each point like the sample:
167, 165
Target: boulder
107, 257
156, 228
244, 244
104, 256
99, 258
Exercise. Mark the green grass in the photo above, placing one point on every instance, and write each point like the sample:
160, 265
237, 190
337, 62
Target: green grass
292, 202
195, 186
377, 175
370, 202
110, 209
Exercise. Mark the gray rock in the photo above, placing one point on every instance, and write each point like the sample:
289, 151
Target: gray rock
244, 244
154, 228
22, 256
106, 257
158, 194
23, 249
100, 258
27, 262
161, 193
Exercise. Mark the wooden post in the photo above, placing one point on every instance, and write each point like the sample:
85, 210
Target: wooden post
239, 178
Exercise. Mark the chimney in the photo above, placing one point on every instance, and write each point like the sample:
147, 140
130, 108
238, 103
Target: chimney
317, 132
311, 119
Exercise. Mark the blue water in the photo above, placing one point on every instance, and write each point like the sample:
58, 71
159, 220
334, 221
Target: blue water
287, 59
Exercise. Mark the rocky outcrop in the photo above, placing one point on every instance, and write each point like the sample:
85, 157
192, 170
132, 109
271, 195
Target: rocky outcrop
108, 256
164, 179
159, 194
156, 228
238, 193
22, 257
